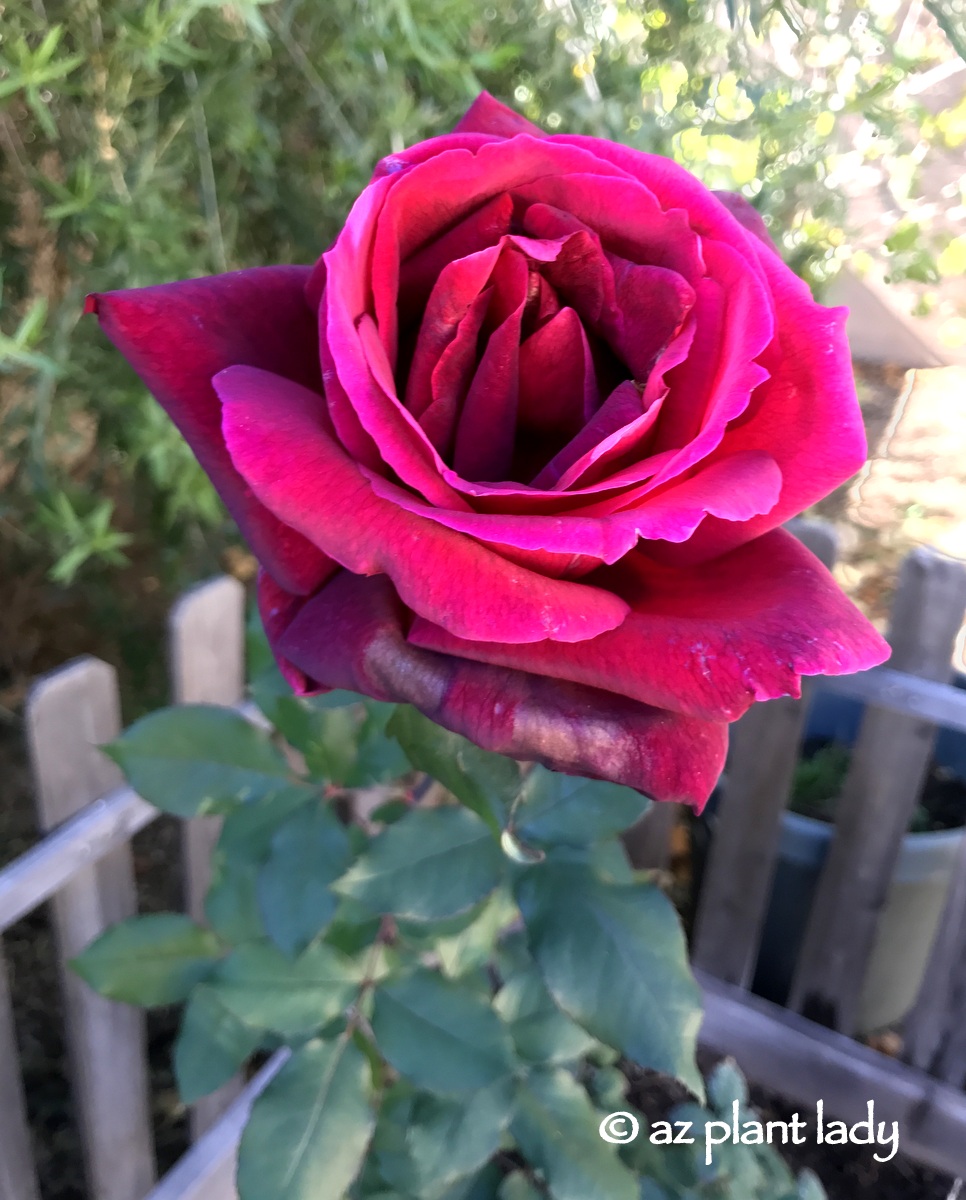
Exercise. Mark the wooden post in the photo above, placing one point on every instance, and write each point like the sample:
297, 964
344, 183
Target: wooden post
885, 777
764, 751
934, 1031
69, 714
206, 653
648, 841
18, 1178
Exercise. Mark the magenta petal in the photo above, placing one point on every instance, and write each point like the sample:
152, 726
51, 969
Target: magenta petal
279, 439
705, 641
458, 287
806, 415
486, 429
623, 409
486, 115
178, 335
481, 228
351, 635
558, 389
747, 215
652, 304
452, 376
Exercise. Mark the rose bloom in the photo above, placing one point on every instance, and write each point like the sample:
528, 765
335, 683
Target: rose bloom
516, 450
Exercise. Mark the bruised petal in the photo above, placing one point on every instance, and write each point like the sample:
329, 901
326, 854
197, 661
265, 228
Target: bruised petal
279, 439
705, 641
178, 335
351, 635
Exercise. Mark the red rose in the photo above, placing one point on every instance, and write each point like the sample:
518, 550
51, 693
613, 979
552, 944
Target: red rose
516, 449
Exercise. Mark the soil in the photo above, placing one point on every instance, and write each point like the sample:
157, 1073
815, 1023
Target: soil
846, 1172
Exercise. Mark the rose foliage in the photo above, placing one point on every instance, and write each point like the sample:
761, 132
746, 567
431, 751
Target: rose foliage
517, 449
431, 1018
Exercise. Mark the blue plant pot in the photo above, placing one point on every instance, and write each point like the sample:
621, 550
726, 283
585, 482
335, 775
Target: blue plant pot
914, 903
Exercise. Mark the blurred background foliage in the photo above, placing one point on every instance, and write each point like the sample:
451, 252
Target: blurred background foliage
149, 141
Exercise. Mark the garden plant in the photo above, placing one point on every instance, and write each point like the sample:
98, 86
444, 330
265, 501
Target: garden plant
513, 457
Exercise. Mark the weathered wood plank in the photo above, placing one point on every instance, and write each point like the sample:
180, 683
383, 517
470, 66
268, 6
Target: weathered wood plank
898, 692
741, 863
885, 777
79, 842
206, 654
68, 714
207, 1171
804, 1062
648, 842
41, 871
933, 1030
18, 1178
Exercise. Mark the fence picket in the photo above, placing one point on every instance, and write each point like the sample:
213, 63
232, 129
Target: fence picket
68, 714
18, 1178
206, 655
741, 862
933, 1031
885, 777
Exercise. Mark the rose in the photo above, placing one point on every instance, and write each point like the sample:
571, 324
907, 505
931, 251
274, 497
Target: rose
516, 450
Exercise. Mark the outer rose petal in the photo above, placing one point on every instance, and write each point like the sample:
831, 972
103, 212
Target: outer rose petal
351, 635
278, 435
709, 640
487, 115
177, 336
747, 215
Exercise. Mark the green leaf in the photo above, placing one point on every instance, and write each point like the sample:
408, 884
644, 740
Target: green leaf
380, 758
516, 1186
150, 960
614, 959
434, 863
231, 905
557, 808
247, 832
485, 782
309, 1129
308, 854
324, 729
556, 1127
449, 1140
198, 758
540, 1031
211, 1046
265, 989
440, 1035
472, 947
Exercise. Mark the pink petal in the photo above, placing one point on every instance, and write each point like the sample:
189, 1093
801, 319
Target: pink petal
806, 415
558, 389
486, 115
486, 430
178, 335
279, 438
705, 641
452, 376
351, 635
747, 215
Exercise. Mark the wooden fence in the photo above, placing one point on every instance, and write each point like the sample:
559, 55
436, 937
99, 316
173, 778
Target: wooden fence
83, 869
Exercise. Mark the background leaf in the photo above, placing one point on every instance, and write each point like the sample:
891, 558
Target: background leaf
212, 1045
149, 960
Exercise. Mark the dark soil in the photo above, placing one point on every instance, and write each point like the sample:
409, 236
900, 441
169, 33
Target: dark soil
821, 774
846, 1172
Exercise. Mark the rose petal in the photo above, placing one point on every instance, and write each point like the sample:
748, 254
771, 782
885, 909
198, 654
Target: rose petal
705, 641
486, 429
487, 115
747, 215
558, 388
350, 635
178, 335
278, 436
452, 376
